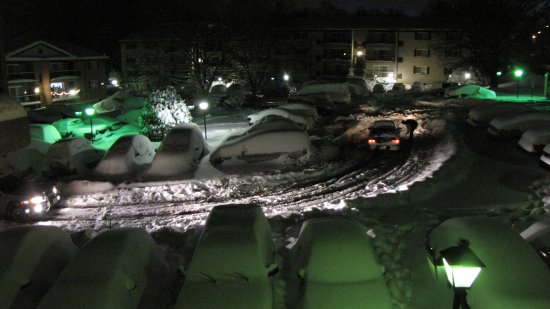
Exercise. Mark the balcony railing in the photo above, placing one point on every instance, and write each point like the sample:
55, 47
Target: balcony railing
380, 57
21, 75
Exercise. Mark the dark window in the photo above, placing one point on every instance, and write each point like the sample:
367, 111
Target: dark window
130, 60
421, 70
422, 53
422, 36
131, 45
452, 36
400, 59
448, 71
452, 53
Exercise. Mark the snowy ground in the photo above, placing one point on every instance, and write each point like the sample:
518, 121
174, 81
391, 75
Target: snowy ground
448, 170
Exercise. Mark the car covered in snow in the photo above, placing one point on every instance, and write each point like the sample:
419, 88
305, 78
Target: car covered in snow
233, 265
513, 125
179, 153
44, 132
337, 267
328, 96
76, 127
481, 116
545, 157
534, 140
126, 158
384, 135
514, 275
470, 91
22, 201
305, 121
71, 156
32, 259
118, 268
267, 140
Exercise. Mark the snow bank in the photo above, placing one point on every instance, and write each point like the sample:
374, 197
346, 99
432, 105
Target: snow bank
323, 95
126, 158
30, 260
116, 269
14, 126
71, 156
179, 154
231, 263
513, 277
29, 159
86, 187
44, 132
470, 91
336, 259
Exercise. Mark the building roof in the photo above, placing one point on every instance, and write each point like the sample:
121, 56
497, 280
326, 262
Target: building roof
59, 51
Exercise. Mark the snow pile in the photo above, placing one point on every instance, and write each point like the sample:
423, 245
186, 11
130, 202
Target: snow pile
44, 132
30, 159
71, 156
30, 260
481, 116
179, 153
514, 276
126, 158
307, 122
323, 94
10, 110
116, 269
232, 261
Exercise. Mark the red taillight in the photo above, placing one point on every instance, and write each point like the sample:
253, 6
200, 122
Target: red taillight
372, 141
395, 141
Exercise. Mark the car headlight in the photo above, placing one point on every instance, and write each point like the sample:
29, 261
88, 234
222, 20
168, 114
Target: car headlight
54, 190
37, 200
38, 208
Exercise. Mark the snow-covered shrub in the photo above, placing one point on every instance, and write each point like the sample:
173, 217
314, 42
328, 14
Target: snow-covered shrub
163, 110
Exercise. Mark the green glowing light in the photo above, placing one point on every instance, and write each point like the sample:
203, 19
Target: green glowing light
499, 73
461, 265
90, 111
518, 73
78, 114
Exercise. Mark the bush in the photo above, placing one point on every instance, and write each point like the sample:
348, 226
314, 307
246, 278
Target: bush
163, 110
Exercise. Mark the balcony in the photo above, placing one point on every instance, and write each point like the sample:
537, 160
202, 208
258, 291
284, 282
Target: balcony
385, 39
62, 73
21, 76
381, 57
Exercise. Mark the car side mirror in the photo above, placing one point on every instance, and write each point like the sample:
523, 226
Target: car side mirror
272, 269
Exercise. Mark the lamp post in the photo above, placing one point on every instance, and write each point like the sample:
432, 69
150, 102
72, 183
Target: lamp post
204, 106
518, 73
462, 267
90, 112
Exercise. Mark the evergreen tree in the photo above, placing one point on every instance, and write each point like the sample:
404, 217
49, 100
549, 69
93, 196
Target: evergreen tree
163, 110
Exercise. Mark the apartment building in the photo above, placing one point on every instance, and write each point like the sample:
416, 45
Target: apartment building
397, 54
40, 72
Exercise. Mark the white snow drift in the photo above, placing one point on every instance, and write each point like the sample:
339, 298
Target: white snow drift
513, 125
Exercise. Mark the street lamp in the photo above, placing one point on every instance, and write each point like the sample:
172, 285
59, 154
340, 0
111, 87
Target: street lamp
203, 105
518, 73
462, 267
90, 112
467, 75
286, 77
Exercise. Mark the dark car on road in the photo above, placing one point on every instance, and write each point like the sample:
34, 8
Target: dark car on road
384, 135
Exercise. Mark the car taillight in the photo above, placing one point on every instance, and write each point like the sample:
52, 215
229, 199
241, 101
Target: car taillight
395, 141
372, 141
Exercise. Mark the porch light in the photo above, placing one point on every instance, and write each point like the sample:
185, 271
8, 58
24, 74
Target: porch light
359, 53
37, 90
462, 267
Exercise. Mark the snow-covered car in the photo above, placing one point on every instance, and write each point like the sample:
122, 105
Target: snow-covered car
21, 201
233, 264
303, 120
44, 132
514, 275
545, 157
337, 266
304, 110
127, 157
323, 95
513, 125
179, 153
264, 141
384, 135
104, 139
32, 259
470, 91
118, 268
71, 156
534, 140
481, 116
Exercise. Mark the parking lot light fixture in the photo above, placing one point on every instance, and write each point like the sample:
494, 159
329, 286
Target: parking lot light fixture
90, 112
203, 105
462, 267
518, 73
